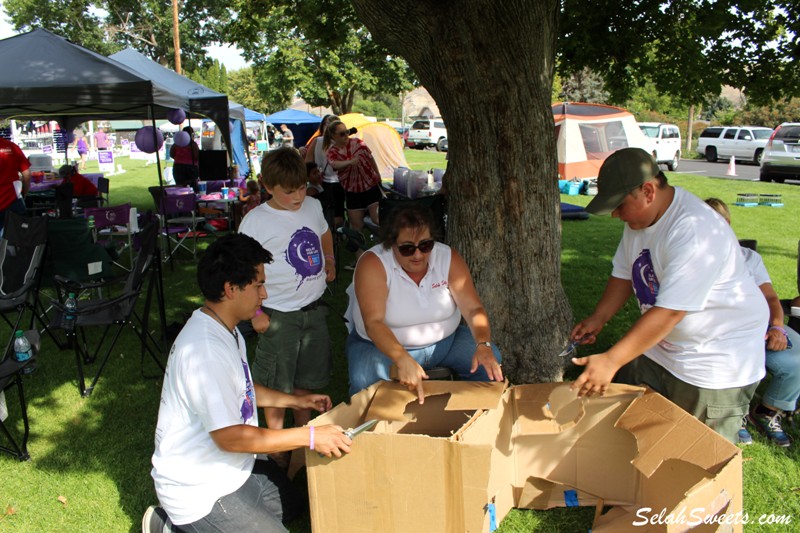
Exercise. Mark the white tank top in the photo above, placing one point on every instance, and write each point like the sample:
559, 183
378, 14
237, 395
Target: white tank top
418, 315
321, 159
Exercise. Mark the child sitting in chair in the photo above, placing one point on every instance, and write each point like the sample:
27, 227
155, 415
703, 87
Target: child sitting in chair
251, 196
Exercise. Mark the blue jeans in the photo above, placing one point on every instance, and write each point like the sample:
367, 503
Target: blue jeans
368, 365
265, 499
784, 387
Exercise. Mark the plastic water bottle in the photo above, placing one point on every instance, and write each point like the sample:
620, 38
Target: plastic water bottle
71, 306
22, 347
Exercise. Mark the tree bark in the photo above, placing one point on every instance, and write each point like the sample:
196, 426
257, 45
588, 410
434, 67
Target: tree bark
489, 66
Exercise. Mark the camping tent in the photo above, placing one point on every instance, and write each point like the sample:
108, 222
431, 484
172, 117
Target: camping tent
302, 124
588, 133
383, 141
199, 99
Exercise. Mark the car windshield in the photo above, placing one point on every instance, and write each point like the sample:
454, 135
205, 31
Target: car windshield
420, 125
762, 134
650, 131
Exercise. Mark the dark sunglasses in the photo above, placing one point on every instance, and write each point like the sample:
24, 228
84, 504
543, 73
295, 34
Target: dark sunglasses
407, 250
343, 133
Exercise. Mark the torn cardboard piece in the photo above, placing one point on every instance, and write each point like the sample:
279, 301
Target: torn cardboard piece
437, 466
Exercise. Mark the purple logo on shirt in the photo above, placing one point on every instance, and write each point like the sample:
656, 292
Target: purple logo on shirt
645, 281
304, 253
249, 402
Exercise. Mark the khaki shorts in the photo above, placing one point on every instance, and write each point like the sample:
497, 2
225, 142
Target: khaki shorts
294, 352
720, 409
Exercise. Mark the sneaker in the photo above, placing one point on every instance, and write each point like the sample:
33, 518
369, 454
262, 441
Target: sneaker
155, 520
745, 438
769, 424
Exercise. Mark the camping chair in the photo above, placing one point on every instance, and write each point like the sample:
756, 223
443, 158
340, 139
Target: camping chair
115, 221
73, 254
110, 313
102, 191
22, 251
180, 221
11, 372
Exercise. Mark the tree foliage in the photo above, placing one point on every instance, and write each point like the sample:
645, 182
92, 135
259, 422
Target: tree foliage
107, 26
214, 76
315, 48
687, 48
243, 88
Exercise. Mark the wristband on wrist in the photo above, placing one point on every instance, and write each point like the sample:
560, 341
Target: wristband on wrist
779, 328
329, 256
310, 437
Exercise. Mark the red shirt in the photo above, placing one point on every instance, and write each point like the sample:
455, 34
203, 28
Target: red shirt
12, 163
360, 177
82, 186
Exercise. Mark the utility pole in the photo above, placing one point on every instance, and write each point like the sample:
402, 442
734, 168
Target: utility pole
176, 36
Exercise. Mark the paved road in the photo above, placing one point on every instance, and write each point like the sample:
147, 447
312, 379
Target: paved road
744, 171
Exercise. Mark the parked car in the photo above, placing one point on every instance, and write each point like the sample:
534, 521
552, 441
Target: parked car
781, 158
428, 132
745, 142
664, 142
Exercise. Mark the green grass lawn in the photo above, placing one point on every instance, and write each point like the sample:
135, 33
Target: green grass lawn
91, 457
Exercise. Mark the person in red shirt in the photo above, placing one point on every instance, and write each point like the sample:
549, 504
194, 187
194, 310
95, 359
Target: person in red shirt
13, 166
81, 185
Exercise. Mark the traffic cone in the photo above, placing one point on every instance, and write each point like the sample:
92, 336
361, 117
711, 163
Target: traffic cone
731, 167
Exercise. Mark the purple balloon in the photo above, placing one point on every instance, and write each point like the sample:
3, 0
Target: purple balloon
176, 116
182, 139
144, 139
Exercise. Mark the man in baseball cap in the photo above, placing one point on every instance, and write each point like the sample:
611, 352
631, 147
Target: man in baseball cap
701, 332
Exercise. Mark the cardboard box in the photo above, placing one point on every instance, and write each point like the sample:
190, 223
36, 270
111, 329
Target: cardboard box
473, 448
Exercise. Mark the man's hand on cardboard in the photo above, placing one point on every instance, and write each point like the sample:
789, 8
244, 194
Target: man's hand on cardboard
410, 374
330, 441
260, 322
485, 357
600, 370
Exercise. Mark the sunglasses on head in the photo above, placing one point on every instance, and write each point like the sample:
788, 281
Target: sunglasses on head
407, 250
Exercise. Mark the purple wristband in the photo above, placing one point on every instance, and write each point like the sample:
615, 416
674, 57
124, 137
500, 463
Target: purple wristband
779, 328
311, 437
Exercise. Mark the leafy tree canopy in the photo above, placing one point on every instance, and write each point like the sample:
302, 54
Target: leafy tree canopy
688, 48
107, 26
315, 48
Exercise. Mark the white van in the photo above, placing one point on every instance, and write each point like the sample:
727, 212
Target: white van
664, 142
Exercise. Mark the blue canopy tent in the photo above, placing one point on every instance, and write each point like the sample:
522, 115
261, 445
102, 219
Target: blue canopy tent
302, 124
254, 116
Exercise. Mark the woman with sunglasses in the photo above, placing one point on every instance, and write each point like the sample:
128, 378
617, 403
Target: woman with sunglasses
358, 173
408, 297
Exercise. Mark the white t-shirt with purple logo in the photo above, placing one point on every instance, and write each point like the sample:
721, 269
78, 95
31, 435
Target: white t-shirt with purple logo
207, 386
296, 276
691, 261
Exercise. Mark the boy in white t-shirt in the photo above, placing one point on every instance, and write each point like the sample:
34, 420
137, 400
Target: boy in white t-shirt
293, 354
206, 475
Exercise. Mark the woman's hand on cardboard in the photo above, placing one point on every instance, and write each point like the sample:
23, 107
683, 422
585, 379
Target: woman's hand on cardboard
410, 374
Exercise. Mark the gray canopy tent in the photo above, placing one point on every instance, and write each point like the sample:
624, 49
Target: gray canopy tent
46, 77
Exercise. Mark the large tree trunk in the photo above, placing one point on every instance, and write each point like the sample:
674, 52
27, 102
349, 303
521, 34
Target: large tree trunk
489, 66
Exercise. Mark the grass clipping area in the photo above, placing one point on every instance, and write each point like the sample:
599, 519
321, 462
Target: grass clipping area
90, 458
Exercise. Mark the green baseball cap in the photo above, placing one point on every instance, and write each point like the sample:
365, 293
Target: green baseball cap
622, 172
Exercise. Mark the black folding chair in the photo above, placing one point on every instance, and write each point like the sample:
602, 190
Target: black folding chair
110, 312
22, 250
11, 372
